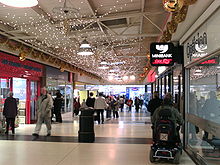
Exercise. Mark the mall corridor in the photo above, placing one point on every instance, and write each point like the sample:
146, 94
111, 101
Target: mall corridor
123, 141
61, 56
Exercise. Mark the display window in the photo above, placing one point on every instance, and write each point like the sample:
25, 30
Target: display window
204, 111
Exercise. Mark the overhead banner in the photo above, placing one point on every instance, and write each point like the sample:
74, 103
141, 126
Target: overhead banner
162, 54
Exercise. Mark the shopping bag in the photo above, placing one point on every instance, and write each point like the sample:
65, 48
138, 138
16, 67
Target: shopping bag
17, 122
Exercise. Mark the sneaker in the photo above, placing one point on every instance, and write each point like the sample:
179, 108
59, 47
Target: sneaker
35, 134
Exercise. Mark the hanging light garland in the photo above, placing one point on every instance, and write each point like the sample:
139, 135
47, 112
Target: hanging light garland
56, 39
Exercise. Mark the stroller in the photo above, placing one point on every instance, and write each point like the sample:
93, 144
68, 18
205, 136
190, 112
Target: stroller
166, 145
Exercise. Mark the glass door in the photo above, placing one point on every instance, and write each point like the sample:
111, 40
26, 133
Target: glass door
20, 93
4, 90
33, 99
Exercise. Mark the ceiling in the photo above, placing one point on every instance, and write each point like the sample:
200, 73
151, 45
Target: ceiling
119, 31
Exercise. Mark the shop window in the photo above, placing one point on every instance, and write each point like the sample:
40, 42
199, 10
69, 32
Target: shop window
204, 111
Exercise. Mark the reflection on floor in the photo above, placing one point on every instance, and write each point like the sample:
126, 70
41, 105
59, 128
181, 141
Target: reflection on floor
123, 141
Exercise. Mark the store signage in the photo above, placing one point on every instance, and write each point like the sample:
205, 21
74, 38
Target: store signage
197, 47
210, 62
127, 92
161, 54
19, 65
151, 76
134, 89
11, 66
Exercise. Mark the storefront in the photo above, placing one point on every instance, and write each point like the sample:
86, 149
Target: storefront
168, 59
23, 79
202, 52
62, 81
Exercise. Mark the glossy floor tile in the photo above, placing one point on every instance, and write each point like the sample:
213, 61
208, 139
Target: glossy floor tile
123, 141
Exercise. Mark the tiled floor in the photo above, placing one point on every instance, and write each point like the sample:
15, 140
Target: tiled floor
124, 141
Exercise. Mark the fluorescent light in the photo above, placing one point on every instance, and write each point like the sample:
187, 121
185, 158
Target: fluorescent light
103, 67
20, 3
198, 74
85, 44
198, 71
85, 51
104, 63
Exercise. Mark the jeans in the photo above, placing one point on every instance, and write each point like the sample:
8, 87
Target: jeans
100, 111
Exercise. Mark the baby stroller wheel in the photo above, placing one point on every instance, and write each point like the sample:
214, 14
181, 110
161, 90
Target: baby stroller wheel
176, 159
152, 159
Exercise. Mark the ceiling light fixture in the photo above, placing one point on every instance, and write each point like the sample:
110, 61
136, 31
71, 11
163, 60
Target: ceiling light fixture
132, 77
85, 49
125, 78
85, 44
20, 3
103, 67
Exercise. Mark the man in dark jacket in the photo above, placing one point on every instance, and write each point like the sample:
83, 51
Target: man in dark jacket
90, 102
10, 111
57, 106
154, 103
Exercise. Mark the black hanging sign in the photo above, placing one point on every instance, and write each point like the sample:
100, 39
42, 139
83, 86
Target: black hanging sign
162, 54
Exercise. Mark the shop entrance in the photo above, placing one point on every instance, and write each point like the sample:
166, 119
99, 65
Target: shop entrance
25, 91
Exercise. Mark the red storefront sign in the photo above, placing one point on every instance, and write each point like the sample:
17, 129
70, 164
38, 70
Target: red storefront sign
151, 76
11, 66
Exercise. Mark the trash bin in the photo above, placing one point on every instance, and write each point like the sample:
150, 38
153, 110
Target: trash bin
86, 126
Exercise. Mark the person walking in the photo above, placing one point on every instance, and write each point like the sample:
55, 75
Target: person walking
121, 102
108, 109
129, 104
10, 111
154, 103
57, 106
100, 105
115, 107
90, 101
137, 104
76, 106
44, 105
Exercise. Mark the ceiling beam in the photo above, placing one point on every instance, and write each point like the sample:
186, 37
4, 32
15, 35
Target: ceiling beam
144, 35
153, 23
41, 12
90, 5
129, 26
96, 18
128, 15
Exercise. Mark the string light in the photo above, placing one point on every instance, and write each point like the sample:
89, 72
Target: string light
62, 43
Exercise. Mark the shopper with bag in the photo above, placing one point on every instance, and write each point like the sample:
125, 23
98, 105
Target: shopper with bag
10, 111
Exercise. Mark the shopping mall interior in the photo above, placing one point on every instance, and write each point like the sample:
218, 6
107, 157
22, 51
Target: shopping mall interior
123, 53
